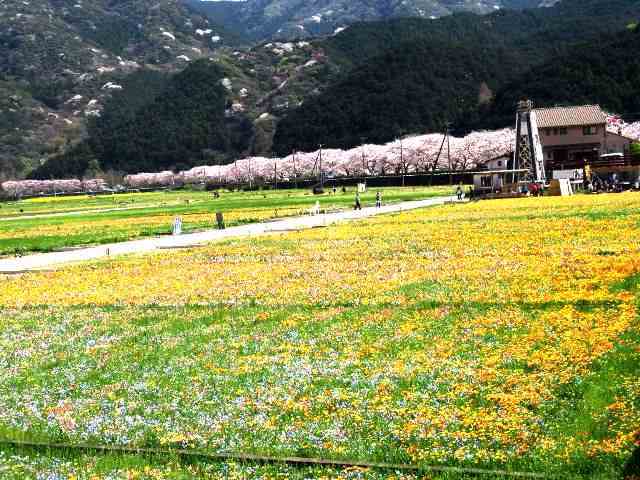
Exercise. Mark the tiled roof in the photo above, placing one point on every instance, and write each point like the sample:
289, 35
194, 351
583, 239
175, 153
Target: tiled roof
570, 116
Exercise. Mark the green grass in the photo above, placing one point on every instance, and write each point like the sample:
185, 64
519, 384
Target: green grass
160, 338
77, 221
317, 379
168, 343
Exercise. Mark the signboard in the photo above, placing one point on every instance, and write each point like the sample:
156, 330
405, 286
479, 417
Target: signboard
574, 174
565, 187
176, 229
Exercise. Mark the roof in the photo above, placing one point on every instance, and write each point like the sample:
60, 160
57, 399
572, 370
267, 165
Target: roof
621, 135
570, 116
508, 155
489, 172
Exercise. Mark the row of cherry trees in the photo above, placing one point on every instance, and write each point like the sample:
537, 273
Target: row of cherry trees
618, 125
31, 188
416, 154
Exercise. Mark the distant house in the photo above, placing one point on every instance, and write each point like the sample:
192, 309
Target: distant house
571, 136
495, 175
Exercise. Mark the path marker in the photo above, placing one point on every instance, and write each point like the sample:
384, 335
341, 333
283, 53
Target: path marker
177, 226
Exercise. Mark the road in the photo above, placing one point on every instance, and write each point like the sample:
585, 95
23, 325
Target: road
42, 261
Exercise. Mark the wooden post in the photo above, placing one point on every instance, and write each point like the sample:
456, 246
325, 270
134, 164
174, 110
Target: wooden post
220, 220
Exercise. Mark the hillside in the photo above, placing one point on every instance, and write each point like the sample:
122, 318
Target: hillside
59, 61
452, 71
294, 19
607, 74
180, 123
414, 73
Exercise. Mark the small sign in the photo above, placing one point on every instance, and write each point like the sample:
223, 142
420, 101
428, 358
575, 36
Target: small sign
177, 226
575, 174
565, 187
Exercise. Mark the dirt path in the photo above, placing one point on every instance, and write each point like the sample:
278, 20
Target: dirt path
46, 260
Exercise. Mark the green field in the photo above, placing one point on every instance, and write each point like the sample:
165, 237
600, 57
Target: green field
493, 335
46, 224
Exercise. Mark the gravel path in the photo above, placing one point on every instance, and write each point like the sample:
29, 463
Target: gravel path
46, 260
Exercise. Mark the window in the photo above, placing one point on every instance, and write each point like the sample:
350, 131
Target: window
563, 131
499, 163
590, 130
485, 181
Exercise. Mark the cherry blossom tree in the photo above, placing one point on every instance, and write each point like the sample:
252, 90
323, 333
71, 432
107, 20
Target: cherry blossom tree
616, 124
30, 188
412, 154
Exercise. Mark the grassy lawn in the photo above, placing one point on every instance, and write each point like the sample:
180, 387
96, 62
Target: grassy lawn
499, 335
46, 224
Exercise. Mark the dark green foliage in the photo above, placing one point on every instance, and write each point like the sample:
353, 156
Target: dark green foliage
72, 164
113, 34
606, 72
140, 89
174, 128
432, 71
51, 93
157, 123
401, 92
635, 149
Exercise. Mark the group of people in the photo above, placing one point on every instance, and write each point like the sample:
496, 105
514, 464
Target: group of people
358, 204
611, 183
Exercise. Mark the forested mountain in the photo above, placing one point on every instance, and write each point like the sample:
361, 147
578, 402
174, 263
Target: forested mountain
177, 123
60, 60
374, 80
450, 73
292, 19
607, 73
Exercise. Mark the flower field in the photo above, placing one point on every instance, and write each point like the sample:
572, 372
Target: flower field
45, 224
501, 335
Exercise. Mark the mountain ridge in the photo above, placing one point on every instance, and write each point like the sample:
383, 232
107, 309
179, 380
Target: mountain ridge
61, 59
291, 19
267, 86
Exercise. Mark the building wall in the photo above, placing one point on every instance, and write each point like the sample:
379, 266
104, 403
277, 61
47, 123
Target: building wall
489, 181
617, 144
552, 137
501, 163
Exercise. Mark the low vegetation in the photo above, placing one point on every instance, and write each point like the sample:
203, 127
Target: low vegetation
497, 335
45, 224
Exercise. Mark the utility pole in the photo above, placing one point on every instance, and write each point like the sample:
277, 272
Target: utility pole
445, 138
448, 126
402, 161
364, 161
295, 172
320, 168
275, 173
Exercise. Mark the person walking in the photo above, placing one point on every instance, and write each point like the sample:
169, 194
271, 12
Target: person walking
459, 191
358, 206
378, 199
